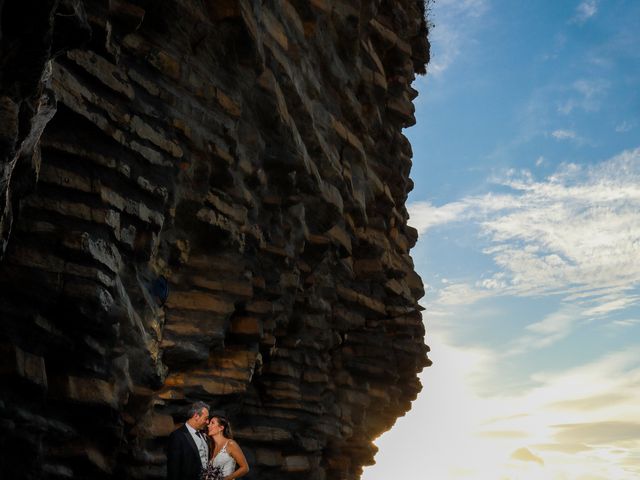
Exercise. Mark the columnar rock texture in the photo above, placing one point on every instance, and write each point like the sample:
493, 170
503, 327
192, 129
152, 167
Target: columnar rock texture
204, 200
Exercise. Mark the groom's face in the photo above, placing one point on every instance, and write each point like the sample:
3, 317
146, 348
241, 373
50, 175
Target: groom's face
201, 419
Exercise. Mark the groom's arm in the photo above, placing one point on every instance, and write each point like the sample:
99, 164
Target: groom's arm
174, 458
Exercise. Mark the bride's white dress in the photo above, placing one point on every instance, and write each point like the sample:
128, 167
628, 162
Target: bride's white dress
224, 461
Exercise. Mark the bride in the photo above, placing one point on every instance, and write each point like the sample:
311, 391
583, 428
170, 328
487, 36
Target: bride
226, 453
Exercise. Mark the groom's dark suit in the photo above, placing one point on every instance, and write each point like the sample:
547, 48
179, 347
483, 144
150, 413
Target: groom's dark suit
183, 459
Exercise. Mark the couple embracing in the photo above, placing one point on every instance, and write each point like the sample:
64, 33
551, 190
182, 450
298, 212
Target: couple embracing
203, 449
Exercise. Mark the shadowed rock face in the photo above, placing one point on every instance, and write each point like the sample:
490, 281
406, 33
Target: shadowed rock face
214, 210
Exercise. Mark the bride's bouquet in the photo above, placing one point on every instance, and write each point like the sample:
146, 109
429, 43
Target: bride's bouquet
212, 473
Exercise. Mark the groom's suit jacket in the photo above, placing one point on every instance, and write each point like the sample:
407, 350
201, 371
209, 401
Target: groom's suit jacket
183, 459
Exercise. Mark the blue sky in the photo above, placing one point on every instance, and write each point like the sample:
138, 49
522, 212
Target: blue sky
527, 199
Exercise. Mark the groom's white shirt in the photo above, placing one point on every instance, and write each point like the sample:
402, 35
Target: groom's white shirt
203, 449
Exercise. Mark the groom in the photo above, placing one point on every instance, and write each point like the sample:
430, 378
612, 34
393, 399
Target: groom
188, 450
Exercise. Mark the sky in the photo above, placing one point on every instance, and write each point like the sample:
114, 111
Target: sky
527, 201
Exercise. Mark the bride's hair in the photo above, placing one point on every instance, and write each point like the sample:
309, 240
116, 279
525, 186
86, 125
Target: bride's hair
226, 426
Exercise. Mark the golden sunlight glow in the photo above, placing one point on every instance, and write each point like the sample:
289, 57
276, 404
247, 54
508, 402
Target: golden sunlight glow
561, 429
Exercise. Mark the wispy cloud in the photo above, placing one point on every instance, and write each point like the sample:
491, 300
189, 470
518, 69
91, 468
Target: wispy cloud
446, 47
585, 10
546, 332
624, 127
598, 432
559, 43
426, 215
591, 402
453, 21
472, 8
587, 95
524, 454
576, 234
625, 323
463, 294
564, 134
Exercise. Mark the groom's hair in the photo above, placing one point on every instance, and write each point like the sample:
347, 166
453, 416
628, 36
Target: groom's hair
196, 408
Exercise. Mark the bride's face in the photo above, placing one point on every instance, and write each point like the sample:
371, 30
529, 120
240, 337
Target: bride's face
214, 427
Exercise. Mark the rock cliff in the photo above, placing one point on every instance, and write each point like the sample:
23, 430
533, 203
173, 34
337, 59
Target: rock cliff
204, 199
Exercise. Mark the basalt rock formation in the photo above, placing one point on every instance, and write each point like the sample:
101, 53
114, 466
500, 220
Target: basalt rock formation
204, 200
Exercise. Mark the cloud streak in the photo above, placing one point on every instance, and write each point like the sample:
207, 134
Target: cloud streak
624, 127
576, 233
561, 134
584, 11
587, 95
453, 20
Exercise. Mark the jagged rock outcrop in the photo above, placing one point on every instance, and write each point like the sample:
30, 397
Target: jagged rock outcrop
204, 199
